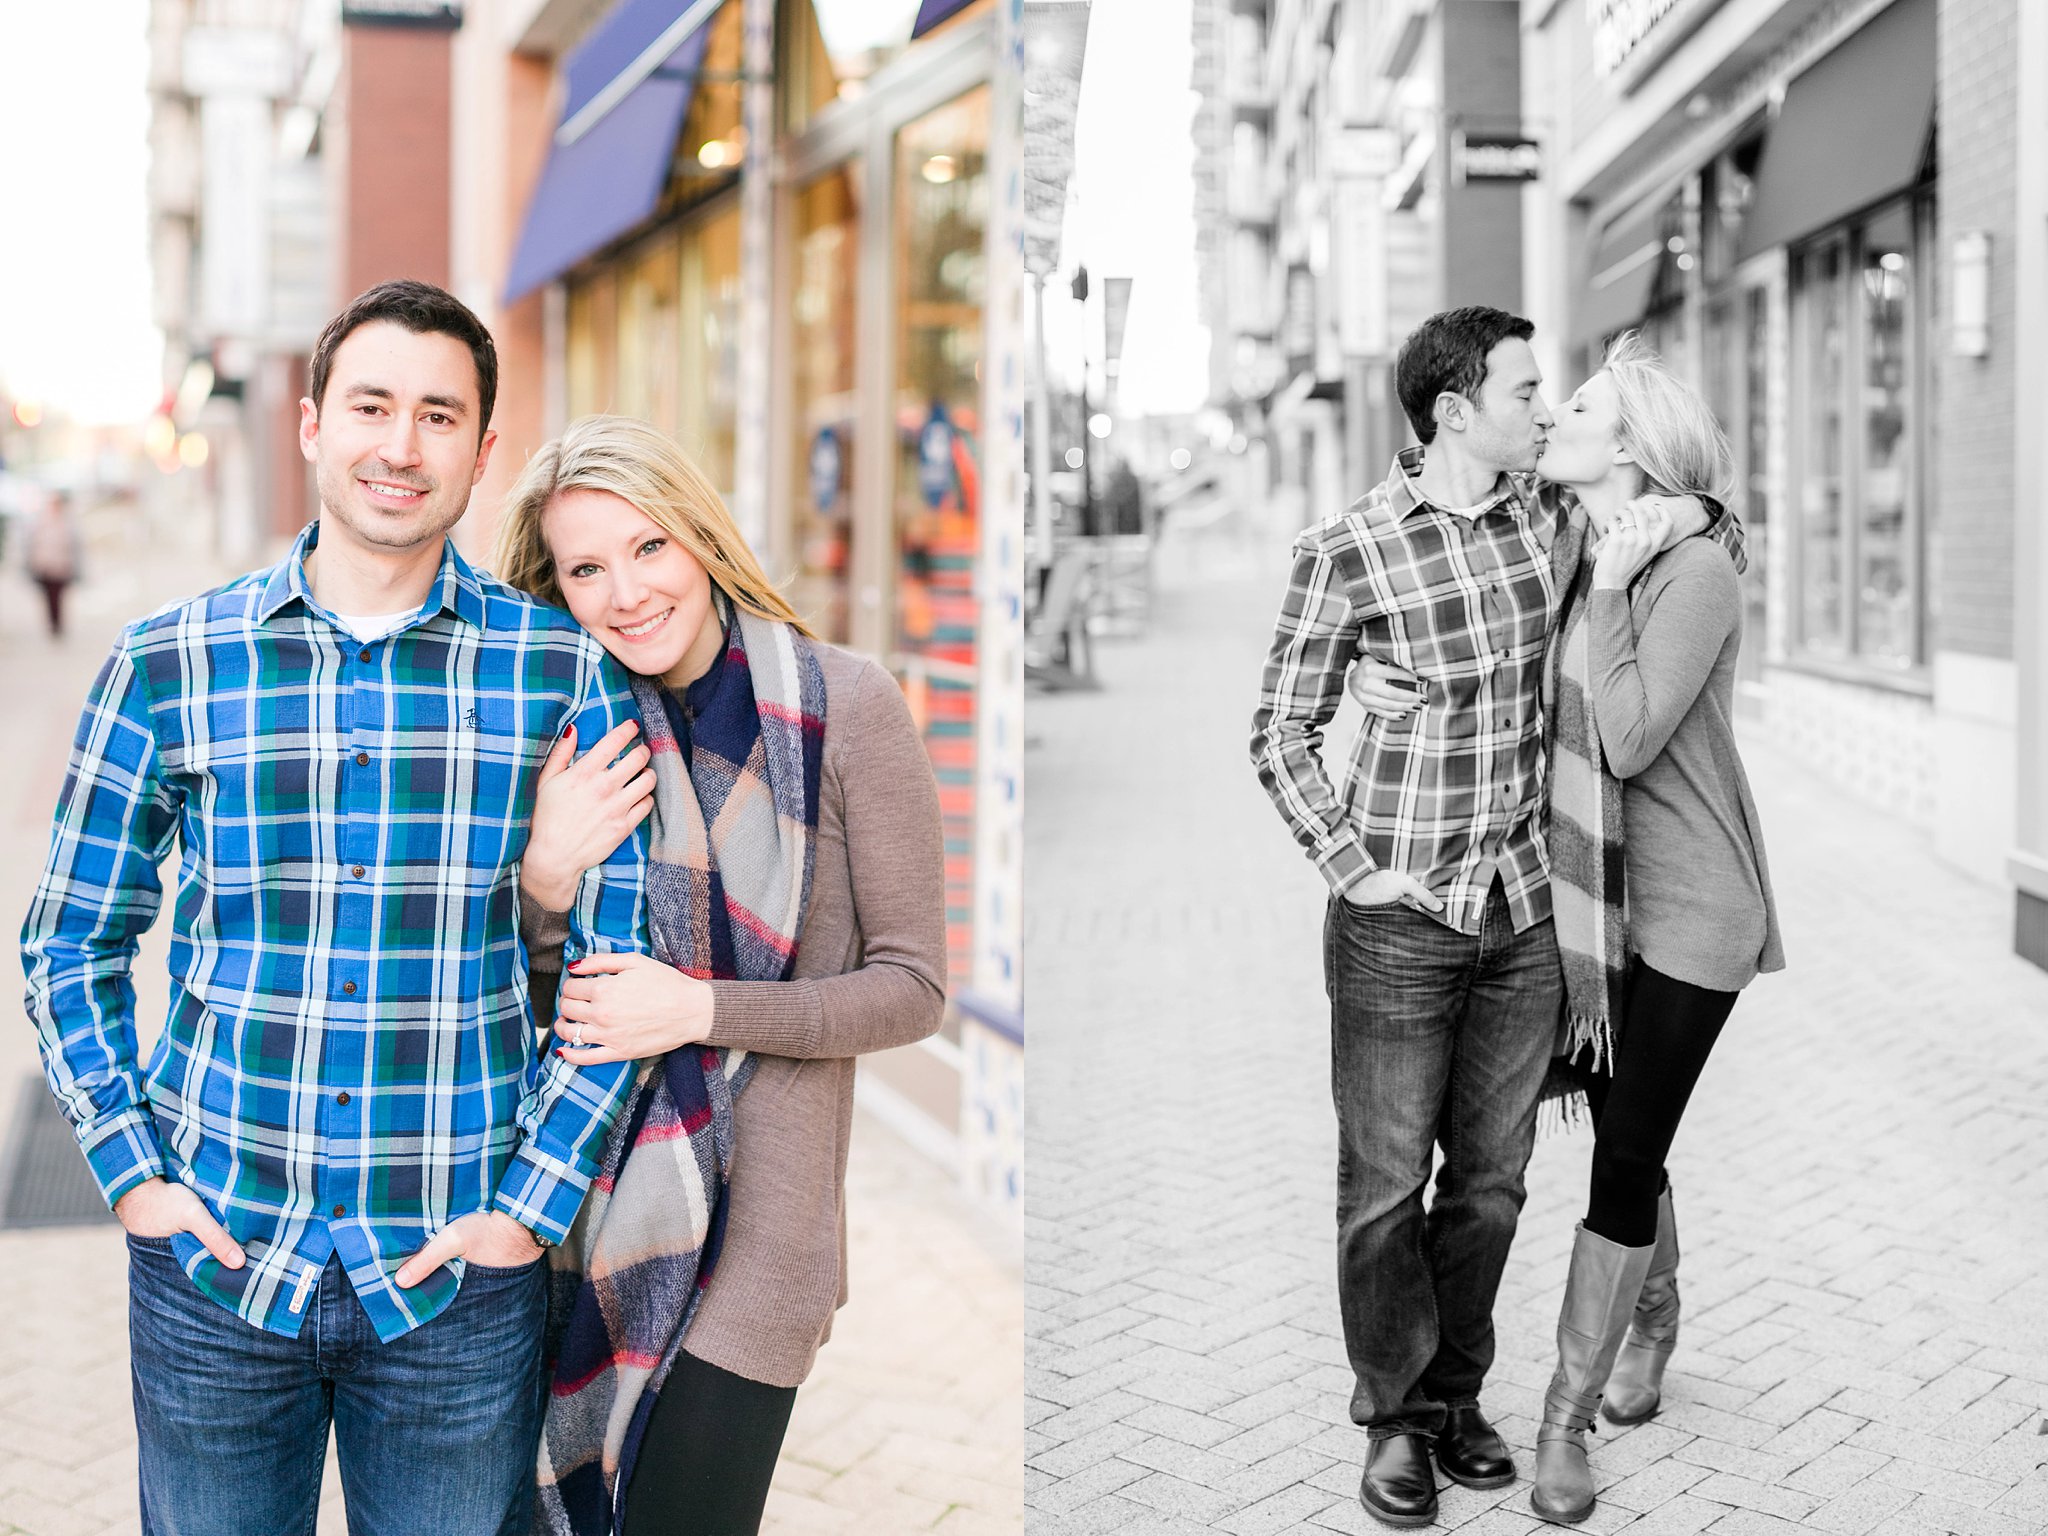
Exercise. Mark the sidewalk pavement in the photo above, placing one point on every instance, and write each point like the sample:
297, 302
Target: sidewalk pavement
1865, 1346
908, 1423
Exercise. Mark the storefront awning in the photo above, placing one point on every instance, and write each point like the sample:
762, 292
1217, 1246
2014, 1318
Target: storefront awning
931, 12
1852, 132
629, 88
1625, 264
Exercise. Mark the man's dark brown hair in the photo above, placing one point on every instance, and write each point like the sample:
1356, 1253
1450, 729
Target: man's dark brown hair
424, 310
1447, 354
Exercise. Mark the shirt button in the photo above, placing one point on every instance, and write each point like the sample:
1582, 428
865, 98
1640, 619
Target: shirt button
341, 1098
341, 1210
365, 655
357, 869
349, 987
362, 759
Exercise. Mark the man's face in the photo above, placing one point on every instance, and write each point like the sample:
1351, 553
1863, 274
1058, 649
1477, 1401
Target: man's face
395, 443
1509, 423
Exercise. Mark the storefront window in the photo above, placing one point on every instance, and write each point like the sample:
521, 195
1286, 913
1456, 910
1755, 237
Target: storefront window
941, 220
647, 333
1884, 579
1821, 559
714, 140
823, 306
1754, 452
831, 48
710, 336
1868, 396
654, 334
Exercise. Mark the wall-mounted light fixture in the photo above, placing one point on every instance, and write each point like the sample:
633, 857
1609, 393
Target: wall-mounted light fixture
1970, 302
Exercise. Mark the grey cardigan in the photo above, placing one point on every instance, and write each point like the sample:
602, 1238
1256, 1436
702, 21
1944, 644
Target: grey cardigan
870, 974
1663, 659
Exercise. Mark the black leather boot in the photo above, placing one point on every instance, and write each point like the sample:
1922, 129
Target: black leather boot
1471, 1452
1399, 1488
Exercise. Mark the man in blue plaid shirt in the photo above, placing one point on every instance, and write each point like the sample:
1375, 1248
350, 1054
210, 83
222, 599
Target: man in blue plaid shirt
343, 1159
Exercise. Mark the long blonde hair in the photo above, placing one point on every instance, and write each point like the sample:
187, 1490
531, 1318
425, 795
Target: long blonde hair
642, 466
1665, 426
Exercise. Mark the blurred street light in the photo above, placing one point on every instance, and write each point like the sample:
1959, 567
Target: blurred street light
192, 450
1099, 425
1075, 458
27, 413
1180, 458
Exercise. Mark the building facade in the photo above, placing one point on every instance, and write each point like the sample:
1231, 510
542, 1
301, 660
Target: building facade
1826, 213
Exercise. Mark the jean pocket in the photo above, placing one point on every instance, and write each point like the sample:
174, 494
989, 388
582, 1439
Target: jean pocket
149, 1244
503, 1272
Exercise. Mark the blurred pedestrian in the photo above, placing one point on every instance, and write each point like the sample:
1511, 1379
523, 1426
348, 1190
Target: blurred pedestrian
54, 555
796, 891
344, 1122
1645, 766
1440, 956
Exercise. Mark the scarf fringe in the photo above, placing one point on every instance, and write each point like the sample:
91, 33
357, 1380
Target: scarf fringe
1588, 1030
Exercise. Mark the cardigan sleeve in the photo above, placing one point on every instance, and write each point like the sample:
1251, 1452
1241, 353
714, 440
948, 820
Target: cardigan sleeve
543, 932
1643, 685
896, 861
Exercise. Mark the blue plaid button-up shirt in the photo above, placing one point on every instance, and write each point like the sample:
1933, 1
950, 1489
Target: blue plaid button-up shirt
347, 1063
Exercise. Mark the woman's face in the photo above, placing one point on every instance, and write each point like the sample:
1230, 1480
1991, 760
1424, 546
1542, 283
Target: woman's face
627, 580
1584, 442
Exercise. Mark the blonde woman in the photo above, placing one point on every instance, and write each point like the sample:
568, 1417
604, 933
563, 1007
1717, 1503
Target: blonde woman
1645, 778
795, 899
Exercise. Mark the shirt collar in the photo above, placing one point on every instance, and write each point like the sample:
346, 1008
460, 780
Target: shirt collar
1407, 491
456, 587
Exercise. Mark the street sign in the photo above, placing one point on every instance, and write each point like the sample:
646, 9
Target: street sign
1495, 157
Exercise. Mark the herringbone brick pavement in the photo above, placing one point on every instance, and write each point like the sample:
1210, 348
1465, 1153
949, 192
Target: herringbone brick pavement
908, 1423
1862, 1204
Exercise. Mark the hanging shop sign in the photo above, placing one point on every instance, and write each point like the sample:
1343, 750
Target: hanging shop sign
935, 458
828, 470
1620, 28
402, 13
1495, 157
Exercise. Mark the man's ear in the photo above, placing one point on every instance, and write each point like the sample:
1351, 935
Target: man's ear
1453, 411
309, 431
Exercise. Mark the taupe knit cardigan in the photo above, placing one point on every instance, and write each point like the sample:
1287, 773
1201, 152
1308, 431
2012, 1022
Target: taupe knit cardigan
870, 974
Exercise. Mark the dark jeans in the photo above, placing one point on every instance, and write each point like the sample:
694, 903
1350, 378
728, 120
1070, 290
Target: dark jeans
1436, 1039
1658, 1056
709, 1455
435, 1431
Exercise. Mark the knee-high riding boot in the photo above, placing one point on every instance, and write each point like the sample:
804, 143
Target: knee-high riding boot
1599, 1298
1637, 1386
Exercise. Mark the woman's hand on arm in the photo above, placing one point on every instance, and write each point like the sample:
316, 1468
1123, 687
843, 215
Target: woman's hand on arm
627, 1007
582, 810
1631, 542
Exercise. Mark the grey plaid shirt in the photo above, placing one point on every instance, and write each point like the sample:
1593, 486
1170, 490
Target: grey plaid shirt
1452, 793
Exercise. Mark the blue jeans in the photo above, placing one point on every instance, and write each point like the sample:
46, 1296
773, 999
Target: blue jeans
435, 1431
1437, 1039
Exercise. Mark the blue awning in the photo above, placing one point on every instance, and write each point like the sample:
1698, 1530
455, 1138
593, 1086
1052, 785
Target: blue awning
931, 12
617, 137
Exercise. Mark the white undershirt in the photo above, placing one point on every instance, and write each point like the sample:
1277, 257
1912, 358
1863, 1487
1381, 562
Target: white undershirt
375, 626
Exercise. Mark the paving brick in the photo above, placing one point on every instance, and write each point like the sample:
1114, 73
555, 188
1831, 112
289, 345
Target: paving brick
1855, 1177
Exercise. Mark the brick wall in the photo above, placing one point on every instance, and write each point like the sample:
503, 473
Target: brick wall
1971, 549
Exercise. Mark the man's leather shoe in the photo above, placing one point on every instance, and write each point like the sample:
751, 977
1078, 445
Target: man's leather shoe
1472, 1452
1399, 1488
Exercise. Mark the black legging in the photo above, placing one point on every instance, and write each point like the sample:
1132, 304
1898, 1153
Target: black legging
1659, 1054
709, 1454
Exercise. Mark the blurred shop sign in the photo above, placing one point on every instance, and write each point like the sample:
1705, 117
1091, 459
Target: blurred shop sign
1116, 314
1298, 319
935, 458
234, 260
828, 471
1055, 42
1495, 157
405, 13
1621, 27
1367, 152
237, 61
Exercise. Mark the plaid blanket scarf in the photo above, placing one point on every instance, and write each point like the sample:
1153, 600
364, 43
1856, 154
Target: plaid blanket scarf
1588, 893
729, 875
